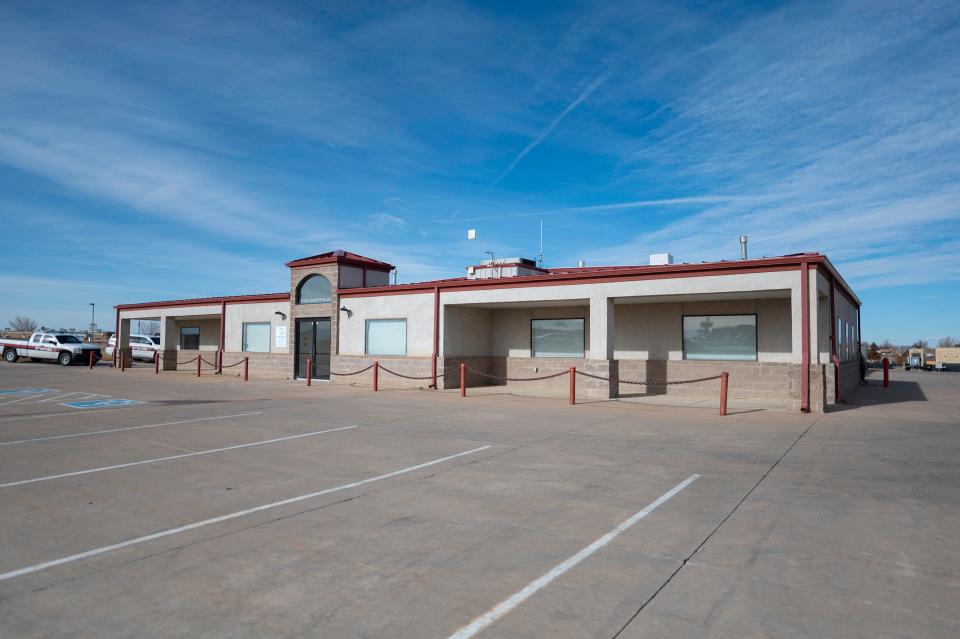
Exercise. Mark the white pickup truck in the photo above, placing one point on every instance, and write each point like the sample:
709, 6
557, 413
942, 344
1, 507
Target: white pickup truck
64, 349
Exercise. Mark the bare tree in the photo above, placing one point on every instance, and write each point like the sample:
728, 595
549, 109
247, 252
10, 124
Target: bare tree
22, 323
947, 342
149, 327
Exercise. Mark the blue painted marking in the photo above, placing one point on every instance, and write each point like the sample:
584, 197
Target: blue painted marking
102, 403
25, 391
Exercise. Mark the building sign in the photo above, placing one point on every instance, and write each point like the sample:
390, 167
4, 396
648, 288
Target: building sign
281, 337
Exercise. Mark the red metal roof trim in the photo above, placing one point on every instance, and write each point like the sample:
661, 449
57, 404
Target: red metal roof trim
205, 301
614, 273
341, 257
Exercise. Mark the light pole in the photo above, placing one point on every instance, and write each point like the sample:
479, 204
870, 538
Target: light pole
93, 322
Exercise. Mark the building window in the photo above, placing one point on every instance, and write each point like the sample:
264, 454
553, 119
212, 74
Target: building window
386, 337
315, 289
256, 337
190, 338
557, 338
721, 337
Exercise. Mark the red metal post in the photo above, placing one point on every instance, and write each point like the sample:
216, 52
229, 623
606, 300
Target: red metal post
156, 362
436, 335
91, 360
309, 372
123, 361
573, 385
376, 376
724, 381
463, 379
805, 336
116, 339
220, 363
886, 372
246, 368
199, 361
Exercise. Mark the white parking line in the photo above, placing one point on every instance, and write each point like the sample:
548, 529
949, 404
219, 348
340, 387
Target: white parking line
25, 398
216, 520
73, 412
50, 399
505, 606
117, 430
170, 457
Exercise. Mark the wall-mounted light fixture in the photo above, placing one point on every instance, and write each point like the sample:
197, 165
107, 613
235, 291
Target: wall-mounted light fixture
281, 314
347, 311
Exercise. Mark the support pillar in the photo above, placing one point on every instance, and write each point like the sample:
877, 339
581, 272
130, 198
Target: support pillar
600, 359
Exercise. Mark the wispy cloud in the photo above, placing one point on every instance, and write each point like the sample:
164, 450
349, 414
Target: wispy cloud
538, 140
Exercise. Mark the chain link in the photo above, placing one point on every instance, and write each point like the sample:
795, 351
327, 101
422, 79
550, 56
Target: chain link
362, 370
643, 382
519, 379
439, 375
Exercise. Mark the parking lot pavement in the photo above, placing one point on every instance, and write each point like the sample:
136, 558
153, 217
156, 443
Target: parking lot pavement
268, 509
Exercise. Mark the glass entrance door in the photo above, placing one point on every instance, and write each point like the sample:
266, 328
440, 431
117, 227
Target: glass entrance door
313, 343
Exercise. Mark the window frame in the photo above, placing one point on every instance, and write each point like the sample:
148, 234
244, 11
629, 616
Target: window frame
583, 347
184, 348
304, 281
756, 336
366, 336
243, 336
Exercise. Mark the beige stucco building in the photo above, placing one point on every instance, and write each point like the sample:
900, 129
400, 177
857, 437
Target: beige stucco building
786, 328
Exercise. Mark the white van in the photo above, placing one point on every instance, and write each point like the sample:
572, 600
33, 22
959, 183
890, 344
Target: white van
143, 346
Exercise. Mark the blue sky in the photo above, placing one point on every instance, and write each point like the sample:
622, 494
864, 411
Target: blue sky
167, 150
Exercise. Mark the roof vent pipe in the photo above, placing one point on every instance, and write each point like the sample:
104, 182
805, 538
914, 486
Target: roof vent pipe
743, 247
581, 263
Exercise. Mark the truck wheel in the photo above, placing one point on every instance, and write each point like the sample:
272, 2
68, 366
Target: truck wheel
65, 359
10, 355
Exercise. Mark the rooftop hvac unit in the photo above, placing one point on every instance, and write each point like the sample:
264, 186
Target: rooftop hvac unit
661, 259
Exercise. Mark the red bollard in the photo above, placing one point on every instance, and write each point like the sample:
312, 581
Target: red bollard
886, 372
219, 362
156, 362
376, 376
199, 361
463, 379
573, 385
724, 382
246, 368
309, 372
123, 362
91, 360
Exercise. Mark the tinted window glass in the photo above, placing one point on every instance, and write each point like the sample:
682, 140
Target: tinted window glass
315, 289
387, 337
190, 338
557, 338
723, 337
68, 339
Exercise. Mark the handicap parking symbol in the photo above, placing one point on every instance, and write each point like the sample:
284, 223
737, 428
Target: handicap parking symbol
25, 391
102, 403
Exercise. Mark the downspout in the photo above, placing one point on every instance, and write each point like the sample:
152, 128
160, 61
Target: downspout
805, 336
436, 335
834, 358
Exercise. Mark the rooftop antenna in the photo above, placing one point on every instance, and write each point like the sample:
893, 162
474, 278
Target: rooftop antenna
472, 235
541, 244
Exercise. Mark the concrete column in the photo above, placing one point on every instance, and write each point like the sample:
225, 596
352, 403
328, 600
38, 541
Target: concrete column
601, 328
600, 354
123, 340
796, 321
168, 342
